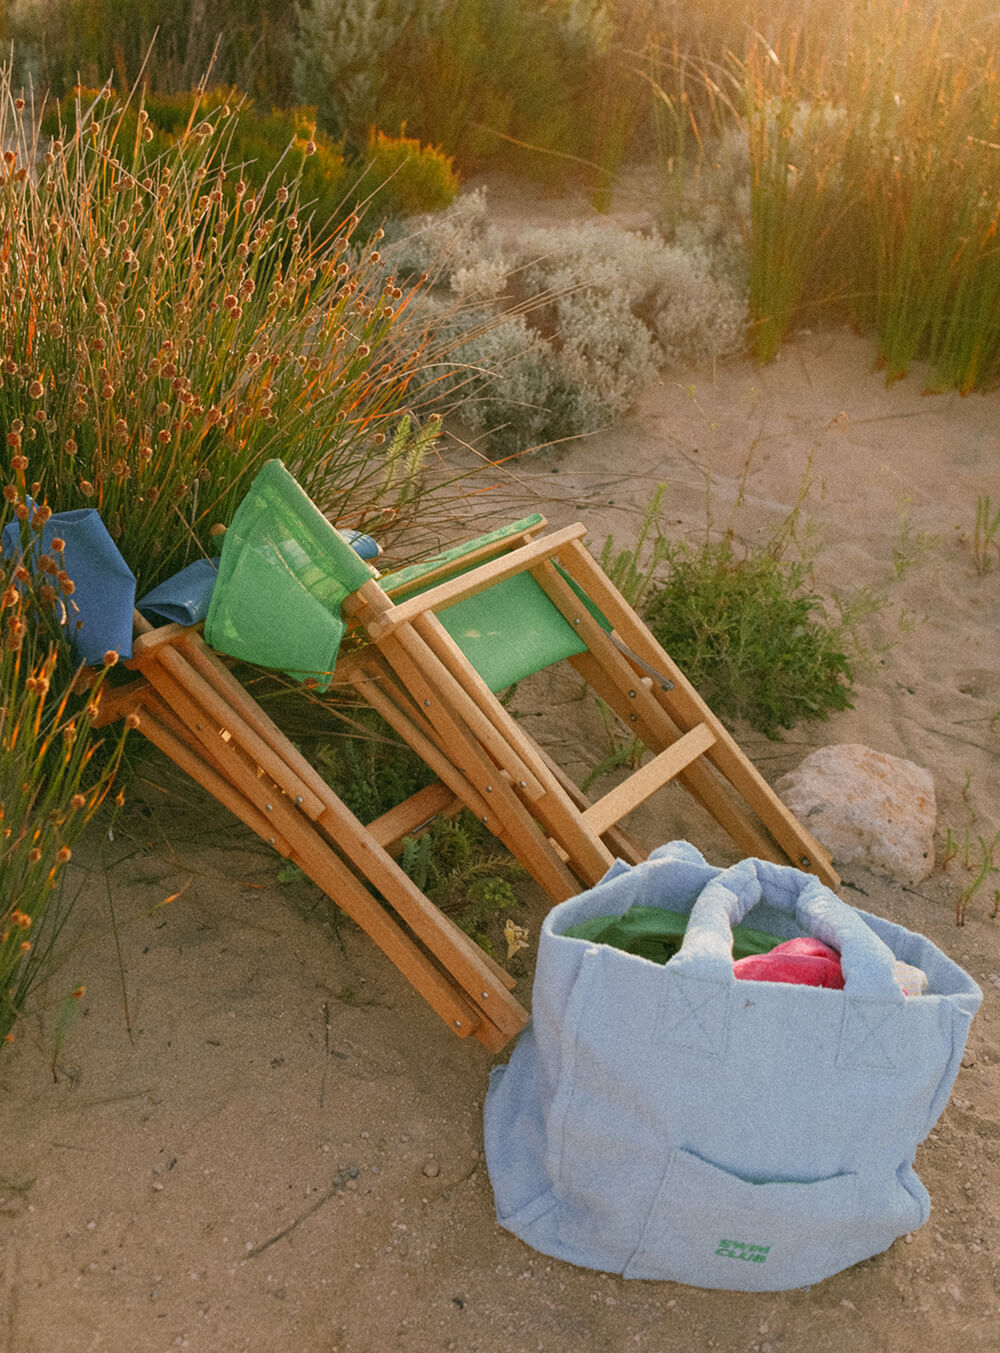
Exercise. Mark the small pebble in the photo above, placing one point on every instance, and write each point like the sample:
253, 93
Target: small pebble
432, 1169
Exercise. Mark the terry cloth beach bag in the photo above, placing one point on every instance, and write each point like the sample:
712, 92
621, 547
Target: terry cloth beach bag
671, 1121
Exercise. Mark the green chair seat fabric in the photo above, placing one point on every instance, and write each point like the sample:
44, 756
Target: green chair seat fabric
657, 934
510, 631
283, 575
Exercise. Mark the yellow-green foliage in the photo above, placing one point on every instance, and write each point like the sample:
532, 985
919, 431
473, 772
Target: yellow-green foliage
408, 178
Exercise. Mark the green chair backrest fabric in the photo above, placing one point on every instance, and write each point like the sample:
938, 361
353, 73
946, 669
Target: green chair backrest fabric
283, 574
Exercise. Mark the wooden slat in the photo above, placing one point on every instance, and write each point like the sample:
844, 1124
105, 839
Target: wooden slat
588, 856
317, 859
414, 814
218, 710
523, 836
688, 708
641, 707
180, 750
621, 845
648, 779
444, 939
464, 562
387, 699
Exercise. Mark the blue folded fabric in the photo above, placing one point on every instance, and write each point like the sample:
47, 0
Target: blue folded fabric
669, 1121
98, 614
366, 547
184, 597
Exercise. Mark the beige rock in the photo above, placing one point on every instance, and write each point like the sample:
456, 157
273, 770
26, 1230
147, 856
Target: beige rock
867, 808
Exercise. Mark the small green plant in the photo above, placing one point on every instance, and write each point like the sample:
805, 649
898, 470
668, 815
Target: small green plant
632, 570
984, 536
984, 868
974, 850
749, 633
909, 544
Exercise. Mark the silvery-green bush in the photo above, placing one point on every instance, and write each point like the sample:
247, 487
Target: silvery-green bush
553, 332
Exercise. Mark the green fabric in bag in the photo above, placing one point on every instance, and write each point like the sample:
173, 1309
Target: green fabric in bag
656, 934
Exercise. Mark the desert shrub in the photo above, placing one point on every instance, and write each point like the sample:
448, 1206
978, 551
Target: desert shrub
489, 80
555, 331
750, 633
405, 177
172, 43
502, 378
395, 176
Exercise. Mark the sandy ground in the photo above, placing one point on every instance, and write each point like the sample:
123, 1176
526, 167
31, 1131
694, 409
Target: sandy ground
256, 1136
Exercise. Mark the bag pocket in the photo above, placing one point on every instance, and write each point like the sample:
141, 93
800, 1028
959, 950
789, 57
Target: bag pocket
710, 1228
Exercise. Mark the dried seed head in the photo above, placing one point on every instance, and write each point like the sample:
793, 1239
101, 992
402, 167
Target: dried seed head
110, 658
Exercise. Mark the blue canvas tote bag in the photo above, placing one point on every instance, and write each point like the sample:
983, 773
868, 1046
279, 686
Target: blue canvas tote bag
670, 1121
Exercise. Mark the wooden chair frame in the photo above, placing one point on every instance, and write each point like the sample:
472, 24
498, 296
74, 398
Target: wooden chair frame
188, 704
417, 676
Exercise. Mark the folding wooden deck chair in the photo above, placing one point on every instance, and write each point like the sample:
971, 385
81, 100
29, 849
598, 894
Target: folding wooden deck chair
188, 703
431, 661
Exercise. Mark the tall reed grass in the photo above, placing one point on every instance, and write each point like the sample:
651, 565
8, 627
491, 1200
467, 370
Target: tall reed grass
55, 770
165, 327
875, 181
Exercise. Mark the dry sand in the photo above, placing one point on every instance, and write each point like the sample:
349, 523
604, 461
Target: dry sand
257, 1136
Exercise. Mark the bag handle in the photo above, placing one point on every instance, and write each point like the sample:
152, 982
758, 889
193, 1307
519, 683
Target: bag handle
707, 949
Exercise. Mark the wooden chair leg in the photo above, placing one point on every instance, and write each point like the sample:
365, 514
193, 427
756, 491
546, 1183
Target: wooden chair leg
685, 708
213, 742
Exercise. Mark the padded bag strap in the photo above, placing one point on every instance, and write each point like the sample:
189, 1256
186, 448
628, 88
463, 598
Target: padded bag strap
871, 1034
707, 948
